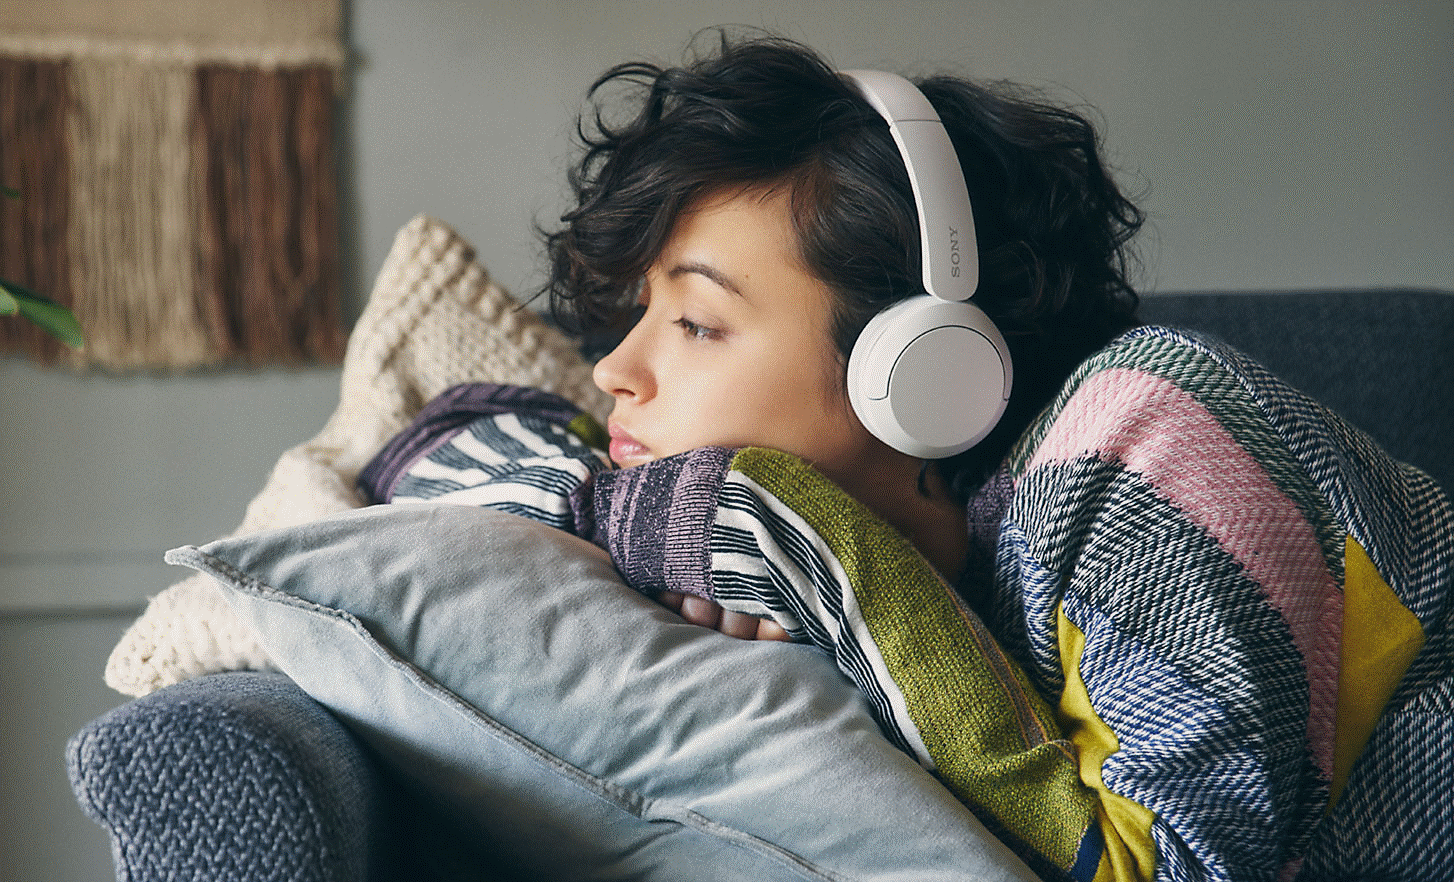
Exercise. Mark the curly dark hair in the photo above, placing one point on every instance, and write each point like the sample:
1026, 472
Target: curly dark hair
1052, 225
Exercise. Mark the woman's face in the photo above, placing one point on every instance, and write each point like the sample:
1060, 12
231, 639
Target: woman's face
734, 347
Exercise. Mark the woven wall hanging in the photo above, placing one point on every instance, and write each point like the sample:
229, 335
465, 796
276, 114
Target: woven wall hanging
175, 169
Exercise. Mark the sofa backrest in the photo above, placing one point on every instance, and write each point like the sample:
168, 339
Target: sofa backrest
1381, 358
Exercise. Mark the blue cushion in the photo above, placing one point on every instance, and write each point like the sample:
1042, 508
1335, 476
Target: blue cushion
503, 669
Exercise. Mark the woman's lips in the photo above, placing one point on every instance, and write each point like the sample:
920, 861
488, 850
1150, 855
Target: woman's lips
626, 450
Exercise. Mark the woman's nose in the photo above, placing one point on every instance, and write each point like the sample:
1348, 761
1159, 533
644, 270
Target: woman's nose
623, 372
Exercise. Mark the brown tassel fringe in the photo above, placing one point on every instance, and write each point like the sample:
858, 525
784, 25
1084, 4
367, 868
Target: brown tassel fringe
188, 214
262, 152
34, 246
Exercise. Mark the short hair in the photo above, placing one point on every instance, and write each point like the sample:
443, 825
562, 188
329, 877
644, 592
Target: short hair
1052, 225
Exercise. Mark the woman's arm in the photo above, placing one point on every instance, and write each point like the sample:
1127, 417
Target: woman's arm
522, 451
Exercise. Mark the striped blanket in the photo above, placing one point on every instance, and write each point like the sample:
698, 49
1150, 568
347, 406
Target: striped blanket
1215, 640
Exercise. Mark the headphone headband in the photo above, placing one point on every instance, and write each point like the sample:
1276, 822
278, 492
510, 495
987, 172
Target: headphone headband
929, 376
946, 224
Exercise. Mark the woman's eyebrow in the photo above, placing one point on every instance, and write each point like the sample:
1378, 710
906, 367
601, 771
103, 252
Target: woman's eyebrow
711, 273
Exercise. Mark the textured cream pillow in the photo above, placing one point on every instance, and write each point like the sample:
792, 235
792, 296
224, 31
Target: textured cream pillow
434, 319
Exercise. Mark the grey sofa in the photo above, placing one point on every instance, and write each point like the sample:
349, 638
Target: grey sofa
244, 777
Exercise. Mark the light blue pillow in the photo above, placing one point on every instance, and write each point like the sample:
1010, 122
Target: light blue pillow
502, 668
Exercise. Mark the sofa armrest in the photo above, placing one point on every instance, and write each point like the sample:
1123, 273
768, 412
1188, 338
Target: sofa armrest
234, 776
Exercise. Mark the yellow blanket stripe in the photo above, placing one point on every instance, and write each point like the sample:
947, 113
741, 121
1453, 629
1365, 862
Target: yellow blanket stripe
1380, 640
1130, 854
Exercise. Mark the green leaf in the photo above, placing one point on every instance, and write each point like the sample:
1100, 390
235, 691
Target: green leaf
11, 192
8, 304
50, 316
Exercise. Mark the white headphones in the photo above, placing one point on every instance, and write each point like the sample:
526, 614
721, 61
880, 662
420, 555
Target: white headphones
929, 376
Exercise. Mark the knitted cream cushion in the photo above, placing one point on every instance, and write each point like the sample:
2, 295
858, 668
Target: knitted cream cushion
434, 319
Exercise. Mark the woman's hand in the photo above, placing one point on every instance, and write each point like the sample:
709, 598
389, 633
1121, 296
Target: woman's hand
700, 611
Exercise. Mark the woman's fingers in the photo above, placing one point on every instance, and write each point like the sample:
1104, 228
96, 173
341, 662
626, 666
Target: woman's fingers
767, 629
703, 612
700, 611
739, 625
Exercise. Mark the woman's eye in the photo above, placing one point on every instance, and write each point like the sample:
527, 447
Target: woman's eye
696, 331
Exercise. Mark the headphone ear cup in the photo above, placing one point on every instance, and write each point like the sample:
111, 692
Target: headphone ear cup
930, 377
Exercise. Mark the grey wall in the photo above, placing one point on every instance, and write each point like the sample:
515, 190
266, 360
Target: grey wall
1280, 143
1283, 143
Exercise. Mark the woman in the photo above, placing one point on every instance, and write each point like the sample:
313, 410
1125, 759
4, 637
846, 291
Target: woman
766, 137
1159, 536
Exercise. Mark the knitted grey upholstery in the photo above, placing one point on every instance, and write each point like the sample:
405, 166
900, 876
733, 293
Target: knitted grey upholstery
1383, 359
242, 776
234, 777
